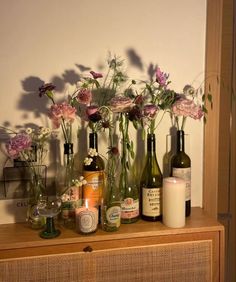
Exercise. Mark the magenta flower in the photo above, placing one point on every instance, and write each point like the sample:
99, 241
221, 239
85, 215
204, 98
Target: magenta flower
62, 112
90, 110
161, 77
84, 96
120, 104
44, 89
17, 144
139, 99
187, 108
93, 113
150, 110
96, 74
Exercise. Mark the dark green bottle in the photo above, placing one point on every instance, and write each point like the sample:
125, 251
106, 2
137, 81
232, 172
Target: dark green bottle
151, 184
181, 167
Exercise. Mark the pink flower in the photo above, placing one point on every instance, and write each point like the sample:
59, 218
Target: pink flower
187, 108
17, 144
84, 96
62, 111
90, 110
96, 74
120, 104
161, 77
93, 113
150, 110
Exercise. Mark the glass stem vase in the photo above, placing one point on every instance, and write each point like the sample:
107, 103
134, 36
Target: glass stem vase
37, 188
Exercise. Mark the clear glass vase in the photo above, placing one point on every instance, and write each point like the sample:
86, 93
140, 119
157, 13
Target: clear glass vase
70, 193
37, 188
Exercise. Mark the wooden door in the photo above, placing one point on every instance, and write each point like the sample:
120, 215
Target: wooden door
219, 186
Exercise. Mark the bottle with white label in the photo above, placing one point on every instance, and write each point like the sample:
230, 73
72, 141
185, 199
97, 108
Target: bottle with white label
151, 184
181, 167
130, 203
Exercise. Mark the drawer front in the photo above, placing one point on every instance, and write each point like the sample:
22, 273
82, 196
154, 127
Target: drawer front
185, 261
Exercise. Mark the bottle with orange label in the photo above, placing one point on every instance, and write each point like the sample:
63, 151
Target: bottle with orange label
93, 172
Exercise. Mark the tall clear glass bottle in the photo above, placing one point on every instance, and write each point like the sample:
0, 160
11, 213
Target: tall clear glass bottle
111, 206
181, 167
151, 184
94, 174
70, 193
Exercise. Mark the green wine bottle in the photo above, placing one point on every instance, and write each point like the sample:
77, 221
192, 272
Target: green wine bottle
151, 184
111, 206
93, 173
181, 167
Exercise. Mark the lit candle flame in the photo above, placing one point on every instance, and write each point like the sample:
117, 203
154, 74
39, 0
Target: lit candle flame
86, 203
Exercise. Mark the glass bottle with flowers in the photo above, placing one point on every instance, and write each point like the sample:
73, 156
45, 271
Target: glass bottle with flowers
30, 147
111, 198
122, 105
63, 114
189, 104
154, 100
98, 113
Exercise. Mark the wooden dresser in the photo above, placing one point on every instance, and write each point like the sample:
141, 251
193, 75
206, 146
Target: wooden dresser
142, 251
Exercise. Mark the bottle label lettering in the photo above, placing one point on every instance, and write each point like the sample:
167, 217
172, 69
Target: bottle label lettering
93, 189
113, 216
151, 201
129, 208
184, 173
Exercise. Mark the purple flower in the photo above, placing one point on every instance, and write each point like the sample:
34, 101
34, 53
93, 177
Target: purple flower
43, 90
84, 96
17, 144
161, 77
150, 110
96, 74
135, 114
187, 108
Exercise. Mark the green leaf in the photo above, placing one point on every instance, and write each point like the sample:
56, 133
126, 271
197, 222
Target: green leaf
203, 97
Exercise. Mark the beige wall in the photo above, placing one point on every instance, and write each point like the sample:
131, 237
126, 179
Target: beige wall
46, 39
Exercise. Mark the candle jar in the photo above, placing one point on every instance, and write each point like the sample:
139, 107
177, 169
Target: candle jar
174, 202
86, 218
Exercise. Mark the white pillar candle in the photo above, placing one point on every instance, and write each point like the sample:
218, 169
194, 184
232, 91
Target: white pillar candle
174, 202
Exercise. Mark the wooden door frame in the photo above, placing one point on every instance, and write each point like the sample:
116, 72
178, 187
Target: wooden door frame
219, 159
218, 75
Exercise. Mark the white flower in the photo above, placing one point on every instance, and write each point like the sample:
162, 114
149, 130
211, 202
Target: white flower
88, 161
65, 198
80, 182
29, 130
92, 152
45, 130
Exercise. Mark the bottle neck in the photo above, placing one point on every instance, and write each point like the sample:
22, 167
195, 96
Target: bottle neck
151, 144
93, 141
68, 149
180, 141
